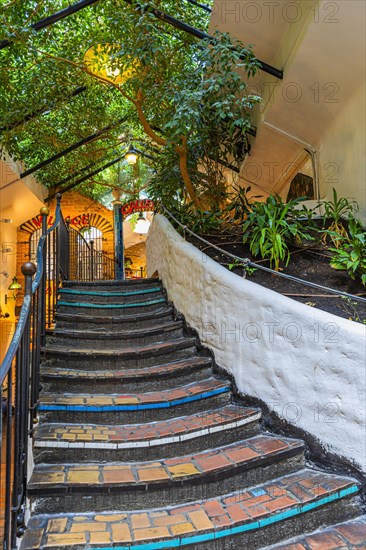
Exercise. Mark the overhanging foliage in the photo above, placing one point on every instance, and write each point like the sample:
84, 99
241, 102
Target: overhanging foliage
187, 97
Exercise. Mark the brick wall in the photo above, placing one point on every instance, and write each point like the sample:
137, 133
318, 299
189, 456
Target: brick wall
80, 210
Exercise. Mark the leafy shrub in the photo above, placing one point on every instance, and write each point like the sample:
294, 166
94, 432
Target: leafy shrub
272, 225
336, 210
239, 205
350, 254
198, 221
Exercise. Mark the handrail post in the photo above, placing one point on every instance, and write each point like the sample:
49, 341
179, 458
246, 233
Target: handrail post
91, 260
57, 266
21, 416
42, 290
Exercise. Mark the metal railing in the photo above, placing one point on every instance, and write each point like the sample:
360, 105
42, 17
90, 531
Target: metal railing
19, 376
86, 263
62, 253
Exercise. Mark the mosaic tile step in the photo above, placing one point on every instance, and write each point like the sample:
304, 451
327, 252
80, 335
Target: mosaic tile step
134, 402
350, 535
149, 350
127, 283
157, 377
147, 318
108, 334
218, 462
249, 516
127, 375
126, 298
172, 329
136, 304
147, 435
109, 293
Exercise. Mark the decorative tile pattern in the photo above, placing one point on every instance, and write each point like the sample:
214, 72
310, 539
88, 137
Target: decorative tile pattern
97, 305
147, 350
69, 291
145, 435
144, 401
129, 374
120, 334
227, 459
212, 519
344, 536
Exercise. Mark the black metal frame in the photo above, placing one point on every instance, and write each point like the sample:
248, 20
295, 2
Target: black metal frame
54, 18
19, 372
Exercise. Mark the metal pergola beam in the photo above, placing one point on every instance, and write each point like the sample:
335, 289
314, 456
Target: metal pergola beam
62, 14
202, 6
73, 147
54, 18
198, 34
84, 178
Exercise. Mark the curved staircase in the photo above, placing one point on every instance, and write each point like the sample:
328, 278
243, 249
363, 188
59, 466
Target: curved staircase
142, 445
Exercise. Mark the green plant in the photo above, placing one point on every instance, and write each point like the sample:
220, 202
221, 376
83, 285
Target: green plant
239, 205
186, 103
351, 308
247, 269
335, 210
350, 254
271, 226
198, 221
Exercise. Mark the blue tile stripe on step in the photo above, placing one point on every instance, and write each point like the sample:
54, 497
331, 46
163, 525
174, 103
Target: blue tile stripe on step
140, 407
206, 537
105, 293
111, 306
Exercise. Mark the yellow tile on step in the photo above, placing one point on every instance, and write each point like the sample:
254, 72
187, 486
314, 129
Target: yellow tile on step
181, 470
126, 400
182, 528
88, 527
64, 540
57, 525
111, 518
83, 476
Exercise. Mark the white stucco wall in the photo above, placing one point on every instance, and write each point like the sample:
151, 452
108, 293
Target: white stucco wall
307, 365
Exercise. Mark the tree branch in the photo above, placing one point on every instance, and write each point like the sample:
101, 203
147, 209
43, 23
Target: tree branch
146, 126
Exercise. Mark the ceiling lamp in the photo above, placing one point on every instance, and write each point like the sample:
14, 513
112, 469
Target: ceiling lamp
131, 156
142, 225
99, 61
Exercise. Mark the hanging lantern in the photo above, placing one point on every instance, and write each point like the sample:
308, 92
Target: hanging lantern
142, 225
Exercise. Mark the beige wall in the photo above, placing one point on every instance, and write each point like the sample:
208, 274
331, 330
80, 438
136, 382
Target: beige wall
319, 104
344, 146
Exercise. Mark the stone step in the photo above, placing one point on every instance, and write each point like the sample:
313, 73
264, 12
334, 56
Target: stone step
129, 357
55, 488
117, 338
67, 442
128, 284
131, 408
114, 321
249, 518
123, 296
342, 536
147, 305
158, 377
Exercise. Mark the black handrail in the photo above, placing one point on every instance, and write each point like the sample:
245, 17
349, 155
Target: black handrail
248, 263
19, 375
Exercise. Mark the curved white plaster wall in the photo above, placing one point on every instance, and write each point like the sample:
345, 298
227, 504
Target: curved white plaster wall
306, 364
